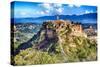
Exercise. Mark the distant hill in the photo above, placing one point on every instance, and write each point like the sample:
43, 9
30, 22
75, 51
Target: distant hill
71, 17
90, 18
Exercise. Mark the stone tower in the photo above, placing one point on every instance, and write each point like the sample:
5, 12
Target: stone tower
57, 17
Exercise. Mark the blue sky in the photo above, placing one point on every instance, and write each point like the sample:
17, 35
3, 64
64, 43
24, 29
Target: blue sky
30, 9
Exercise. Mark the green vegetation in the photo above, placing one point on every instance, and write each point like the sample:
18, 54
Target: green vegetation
80, 49
67, 49
31, 56
85, 51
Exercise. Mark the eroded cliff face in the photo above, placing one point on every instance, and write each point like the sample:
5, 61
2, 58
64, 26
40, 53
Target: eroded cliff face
52, 32
57, 38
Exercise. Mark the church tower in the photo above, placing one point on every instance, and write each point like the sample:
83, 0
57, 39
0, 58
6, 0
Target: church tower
57, 17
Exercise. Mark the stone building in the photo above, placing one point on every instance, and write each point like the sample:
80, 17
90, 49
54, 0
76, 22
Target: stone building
90, 31
60, 25
77, 28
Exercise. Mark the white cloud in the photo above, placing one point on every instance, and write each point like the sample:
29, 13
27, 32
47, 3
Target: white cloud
57, 5
37, 12
42, 12
87, 11
60, 5
49, 8
70, 5
23, 13
60, 10
46, 5
77, 5
74, 5
47, 11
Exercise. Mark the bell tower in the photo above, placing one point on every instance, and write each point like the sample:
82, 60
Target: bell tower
57, 17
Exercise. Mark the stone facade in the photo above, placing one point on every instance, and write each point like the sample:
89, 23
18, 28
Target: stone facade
76, 28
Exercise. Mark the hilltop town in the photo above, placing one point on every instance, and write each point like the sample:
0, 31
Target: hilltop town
76, 28
54, 38
58, 24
